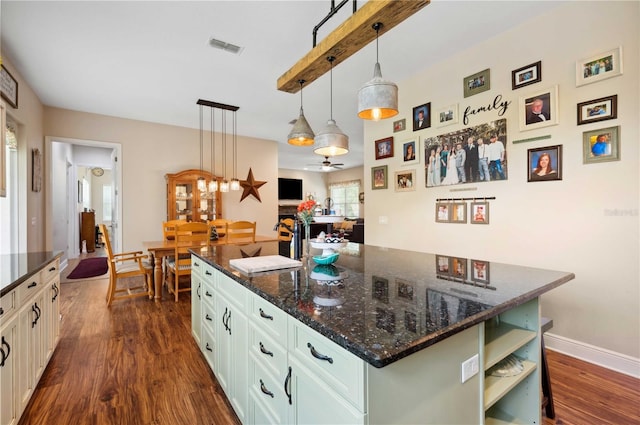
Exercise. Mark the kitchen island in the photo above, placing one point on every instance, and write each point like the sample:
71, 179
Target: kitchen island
382, 336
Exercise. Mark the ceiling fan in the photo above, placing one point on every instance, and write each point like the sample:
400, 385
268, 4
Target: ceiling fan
326, 165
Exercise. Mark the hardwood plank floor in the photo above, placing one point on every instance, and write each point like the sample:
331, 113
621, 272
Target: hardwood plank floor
137, 363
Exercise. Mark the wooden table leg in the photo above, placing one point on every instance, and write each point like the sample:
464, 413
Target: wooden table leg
157, 278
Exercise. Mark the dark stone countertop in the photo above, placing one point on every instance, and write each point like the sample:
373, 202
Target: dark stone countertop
383, 304
16, 268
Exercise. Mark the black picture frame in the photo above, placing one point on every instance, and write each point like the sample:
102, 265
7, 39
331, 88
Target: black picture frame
425, 108
602, 109
526, 75
8, 87
553, 170
384, 148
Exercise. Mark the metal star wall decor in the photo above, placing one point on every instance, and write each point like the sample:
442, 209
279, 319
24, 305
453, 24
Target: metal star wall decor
250, 186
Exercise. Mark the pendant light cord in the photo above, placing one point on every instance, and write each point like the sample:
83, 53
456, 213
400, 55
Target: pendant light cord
213, 146
331, 59
201, 138
235, 145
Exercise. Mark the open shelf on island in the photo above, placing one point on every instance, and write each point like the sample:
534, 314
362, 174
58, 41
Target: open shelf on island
497, 386
504, 340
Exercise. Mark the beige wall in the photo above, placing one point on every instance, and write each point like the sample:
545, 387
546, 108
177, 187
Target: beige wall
564, 225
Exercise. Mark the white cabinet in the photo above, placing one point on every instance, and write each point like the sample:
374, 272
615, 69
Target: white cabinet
196, 298
29, 329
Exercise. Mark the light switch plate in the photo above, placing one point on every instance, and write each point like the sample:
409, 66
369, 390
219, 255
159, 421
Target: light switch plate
470, 368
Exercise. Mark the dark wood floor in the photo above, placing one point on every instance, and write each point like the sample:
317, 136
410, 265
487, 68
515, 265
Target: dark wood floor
137, 363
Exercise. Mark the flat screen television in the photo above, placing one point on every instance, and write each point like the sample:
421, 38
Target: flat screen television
289, 188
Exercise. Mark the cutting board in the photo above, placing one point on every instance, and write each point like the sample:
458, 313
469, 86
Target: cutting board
261, 264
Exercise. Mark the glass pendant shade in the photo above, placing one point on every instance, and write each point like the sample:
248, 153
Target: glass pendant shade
224, 186
235, 184
301, 133
213, 185
331, 141
378, 98
202, 184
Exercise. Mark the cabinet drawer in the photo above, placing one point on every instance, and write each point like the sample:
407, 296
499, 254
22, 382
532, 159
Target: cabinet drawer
197, 265
208, 271
269, 393
269, 318
208, 347
28, 289
50, 271
271, 354
7, 305
232, 290
334, 365
208, 295
208, 317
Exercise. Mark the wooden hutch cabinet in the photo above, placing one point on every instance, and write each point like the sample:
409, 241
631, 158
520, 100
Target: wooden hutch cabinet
186, 202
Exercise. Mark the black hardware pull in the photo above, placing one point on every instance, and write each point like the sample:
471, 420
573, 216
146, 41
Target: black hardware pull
317, 355
208, 273
33, 323
208, 294
209, 348
5, 356
229, 326
1, 311
287, 384
207, 317
32, 285
38, 312
196, 264
265, 390
224, 319
265, 315
198, 291
265, 351
52, 269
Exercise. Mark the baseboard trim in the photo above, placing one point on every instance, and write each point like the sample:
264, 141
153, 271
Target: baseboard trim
592, 354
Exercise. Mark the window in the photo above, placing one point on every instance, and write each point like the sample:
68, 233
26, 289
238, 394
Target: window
345, 198
106, 203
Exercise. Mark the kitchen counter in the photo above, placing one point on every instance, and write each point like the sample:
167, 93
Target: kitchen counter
383, 304
16, 268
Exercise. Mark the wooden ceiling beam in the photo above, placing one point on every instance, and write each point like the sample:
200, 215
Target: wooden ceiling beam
348, 38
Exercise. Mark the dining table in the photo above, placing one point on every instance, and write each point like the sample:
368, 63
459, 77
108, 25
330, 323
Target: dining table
158, 250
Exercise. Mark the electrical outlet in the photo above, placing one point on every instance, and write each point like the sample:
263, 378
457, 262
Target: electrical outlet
383, 219
470, 368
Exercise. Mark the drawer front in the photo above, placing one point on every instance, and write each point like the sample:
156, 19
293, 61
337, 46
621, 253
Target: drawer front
268, 392
28, 289
232, 291
197, 265
208, 317
208, 347
50, 271
7, 305
208, 294
334, 365
271, 354
269, 318
208, 272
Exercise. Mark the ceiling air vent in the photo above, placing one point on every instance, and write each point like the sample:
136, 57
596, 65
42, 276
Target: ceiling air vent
223, 45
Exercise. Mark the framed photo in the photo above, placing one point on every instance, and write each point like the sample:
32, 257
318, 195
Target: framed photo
480, 212
405, 290
8, 87
526, 75
380, 289
422, 116
601, 145
539, 109
476, 83
459, 212
411, 151
605, 108
443, 264
545, 163
443, 212
399, 125
384, 148
379, 177
599, 67
405, 181
480, 271
459, 268
448, 115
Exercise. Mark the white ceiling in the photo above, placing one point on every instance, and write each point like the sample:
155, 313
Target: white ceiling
151, 61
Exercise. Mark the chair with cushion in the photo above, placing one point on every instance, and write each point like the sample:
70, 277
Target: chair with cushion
239, 232
220, 226
127, 265
188, 235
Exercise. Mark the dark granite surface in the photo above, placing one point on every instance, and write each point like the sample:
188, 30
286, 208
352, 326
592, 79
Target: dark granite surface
16, 268
383, 304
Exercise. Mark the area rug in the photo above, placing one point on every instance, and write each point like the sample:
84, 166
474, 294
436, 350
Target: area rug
89, 267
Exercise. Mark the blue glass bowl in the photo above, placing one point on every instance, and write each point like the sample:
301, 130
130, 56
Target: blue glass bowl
327, 259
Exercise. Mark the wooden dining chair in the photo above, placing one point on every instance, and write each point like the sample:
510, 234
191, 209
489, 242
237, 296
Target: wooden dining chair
239, 232
285, 229
220, 225
127, 265
188, 235
169, 228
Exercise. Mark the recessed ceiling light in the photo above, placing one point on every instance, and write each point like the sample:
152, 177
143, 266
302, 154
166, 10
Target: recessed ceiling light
223, 45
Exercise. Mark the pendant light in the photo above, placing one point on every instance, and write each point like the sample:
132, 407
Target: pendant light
213, 184
331, 141
202, 183
235, 183
378, 98
301, 133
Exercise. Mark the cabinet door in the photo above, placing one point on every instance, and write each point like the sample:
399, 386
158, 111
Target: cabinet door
314, 402
54, 327
9, 372
27, 318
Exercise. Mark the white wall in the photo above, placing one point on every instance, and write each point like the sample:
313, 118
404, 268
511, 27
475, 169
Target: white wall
564, 225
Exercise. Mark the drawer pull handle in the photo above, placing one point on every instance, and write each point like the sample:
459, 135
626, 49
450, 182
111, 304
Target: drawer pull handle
32, 285
209, 348
209, 318
208, 273
287, 384
35, 320
198, 290
5, 356
265, 390
208, 294
1, 311
52, 269
265, 351
196, 264
317, 355
265, 315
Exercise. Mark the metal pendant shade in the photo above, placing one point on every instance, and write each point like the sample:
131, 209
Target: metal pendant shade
331, 141
301, 134
378, 98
